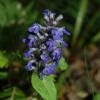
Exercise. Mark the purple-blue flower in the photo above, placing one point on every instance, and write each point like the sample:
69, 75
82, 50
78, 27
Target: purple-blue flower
60, 17
45, 57
46, 12
32, 39
45, 44
48, 70
48, 15
27, 54
34, 28
57, 54
59, 31
51, 44
55, 34
30, 66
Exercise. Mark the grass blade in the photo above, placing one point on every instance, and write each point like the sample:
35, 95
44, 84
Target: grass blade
96, 38
79, 20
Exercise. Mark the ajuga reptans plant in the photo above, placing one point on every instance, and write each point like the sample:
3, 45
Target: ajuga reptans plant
45, 44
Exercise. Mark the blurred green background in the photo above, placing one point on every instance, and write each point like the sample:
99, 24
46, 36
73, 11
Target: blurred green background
81, 79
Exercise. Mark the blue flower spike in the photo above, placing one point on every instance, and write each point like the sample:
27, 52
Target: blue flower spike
45, 44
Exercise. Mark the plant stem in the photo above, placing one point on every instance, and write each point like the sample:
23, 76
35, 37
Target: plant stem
79, 20
13, 93
87, 73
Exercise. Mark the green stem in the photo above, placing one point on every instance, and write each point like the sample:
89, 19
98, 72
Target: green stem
87, 73
79, 20
13, 93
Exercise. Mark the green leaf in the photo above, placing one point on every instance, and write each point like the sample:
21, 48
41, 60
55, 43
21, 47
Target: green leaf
12, 92
97, 97
62, 64
11, 10
3, 75
6, 92
3, 60
45, 87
